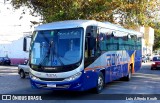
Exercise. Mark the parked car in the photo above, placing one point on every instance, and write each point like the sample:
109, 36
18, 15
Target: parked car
23, 69
144, 59
5, 61
155, 63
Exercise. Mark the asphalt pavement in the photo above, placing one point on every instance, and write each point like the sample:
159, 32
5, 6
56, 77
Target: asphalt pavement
144, 83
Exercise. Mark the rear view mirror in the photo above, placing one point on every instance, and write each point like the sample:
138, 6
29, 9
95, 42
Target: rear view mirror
26, 43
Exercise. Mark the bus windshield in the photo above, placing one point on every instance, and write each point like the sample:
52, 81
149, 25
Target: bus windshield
57, 47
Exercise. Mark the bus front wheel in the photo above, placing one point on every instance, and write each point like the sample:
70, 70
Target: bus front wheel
100, 83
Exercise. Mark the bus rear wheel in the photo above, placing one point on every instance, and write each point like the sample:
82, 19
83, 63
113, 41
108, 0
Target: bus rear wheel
129, 76
100, 83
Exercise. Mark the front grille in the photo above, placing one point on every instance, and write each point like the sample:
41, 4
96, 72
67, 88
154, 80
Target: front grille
57, 86
51, 79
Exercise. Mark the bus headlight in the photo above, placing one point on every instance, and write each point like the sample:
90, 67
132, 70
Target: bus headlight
73, 77
34, 77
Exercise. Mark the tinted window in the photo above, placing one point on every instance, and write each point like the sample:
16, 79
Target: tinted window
57, 47
156, 58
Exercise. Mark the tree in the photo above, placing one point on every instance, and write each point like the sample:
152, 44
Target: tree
156, 26
126, 12
156, 45
55, 10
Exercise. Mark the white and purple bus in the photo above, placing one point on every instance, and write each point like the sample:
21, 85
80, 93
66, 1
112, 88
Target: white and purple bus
82, 54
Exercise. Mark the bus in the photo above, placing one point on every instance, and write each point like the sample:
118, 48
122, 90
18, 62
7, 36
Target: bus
78, 55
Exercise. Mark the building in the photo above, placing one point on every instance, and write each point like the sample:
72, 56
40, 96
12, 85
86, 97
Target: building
14, 51
148, 40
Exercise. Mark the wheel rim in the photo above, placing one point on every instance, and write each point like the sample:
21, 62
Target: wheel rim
100, 83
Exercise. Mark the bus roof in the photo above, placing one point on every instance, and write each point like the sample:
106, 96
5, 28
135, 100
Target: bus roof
66, 24
84, 24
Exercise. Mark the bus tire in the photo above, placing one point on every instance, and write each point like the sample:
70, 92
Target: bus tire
129, 76
100, 84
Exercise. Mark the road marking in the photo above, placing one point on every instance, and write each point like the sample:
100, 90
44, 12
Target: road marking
5, 74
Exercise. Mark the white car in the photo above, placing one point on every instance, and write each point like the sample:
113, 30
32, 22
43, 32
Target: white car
23, 70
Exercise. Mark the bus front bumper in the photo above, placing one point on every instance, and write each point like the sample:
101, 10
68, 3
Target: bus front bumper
60, 85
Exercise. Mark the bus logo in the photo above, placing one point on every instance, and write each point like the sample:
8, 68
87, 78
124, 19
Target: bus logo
51, 75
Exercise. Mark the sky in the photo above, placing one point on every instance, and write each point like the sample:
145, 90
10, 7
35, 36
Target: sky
11, 26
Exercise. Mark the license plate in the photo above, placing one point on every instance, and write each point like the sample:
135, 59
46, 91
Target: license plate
51, 85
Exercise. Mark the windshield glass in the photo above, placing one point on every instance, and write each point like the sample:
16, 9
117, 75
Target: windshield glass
56, 47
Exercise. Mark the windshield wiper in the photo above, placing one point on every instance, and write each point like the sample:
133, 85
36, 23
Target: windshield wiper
48, 53
56, 54
45, 57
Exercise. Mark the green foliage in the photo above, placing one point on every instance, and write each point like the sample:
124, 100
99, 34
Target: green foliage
129, 12
157, 38
156, 26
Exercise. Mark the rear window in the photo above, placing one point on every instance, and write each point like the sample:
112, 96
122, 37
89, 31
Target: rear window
156, 58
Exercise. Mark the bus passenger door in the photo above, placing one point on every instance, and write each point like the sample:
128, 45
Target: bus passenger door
114, 69
108, 69
91, 54
91, 50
